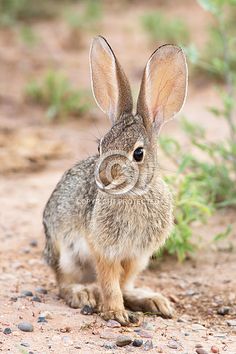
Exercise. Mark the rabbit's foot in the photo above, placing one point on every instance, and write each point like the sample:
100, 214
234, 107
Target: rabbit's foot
78, 296
150, 302
124, 317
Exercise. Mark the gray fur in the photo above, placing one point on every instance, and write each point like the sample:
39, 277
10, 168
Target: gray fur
92, 217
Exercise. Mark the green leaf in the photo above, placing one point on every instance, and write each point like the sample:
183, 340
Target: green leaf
210, 5
222, 235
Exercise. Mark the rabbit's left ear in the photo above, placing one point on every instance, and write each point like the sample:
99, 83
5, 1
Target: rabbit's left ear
110, 85
164, 86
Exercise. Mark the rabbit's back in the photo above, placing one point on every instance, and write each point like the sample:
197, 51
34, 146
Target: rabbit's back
69, 208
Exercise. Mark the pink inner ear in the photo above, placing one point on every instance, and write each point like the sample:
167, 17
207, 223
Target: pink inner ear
158, 116
164, 85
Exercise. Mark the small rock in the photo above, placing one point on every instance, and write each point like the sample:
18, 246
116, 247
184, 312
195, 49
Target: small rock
122, 341
191, 292
87, 310
172, 344
224, 310
14, 298
33, 243
201, 351
231, 323
26, 250
65, 329
197, 327
220, 335
113, 324
109, 346
26, 293
182, 320
144, 334
47, 315
36, 299
137, 343
148, 326
148, 345
198, 346
215, 349
108, 334
24, 344
42, 319
7, 330
41, 290
26, 327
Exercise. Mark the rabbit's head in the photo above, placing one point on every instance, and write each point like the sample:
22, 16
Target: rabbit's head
127, 161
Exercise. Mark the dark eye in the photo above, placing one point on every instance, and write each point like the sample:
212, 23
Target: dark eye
138, 154
99, 149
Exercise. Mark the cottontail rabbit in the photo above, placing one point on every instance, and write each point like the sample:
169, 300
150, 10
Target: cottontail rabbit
110, 212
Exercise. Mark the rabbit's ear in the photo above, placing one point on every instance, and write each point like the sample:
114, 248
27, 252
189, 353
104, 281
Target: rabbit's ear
110, 86
164, 86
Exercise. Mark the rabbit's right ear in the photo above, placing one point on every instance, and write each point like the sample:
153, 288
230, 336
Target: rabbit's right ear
110, 86
164, 86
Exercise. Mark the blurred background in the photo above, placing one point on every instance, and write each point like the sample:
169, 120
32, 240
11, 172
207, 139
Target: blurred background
49, 121
48, 118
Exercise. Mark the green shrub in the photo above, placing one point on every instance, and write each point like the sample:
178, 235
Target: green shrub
12, 11
219, 54
28, 36
206, 173
54, 91
200, 185
17, 10
88, 19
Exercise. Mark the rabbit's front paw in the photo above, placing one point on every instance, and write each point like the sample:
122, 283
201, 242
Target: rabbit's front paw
159, 304
142, 300
122, 316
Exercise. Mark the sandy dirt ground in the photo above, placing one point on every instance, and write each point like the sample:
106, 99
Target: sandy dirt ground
33, 156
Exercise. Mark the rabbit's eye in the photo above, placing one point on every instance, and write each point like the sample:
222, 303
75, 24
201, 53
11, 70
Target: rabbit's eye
99, 149
138, 154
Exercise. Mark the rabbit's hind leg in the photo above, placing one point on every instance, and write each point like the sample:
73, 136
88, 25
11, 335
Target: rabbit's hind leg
76, 276
79, 295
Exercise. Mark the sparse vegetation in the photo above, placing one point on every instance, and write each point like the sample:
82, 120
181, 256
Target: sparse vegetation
28, 36
13, 11
219, 53
162, 30
87, 20
54, 92
204, 184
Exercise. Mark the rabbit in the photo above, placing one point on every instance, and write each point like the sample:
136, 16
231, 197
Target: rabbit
109, 213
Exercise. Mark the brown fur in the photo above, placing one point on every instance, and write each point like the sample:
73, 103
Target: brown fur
107, 230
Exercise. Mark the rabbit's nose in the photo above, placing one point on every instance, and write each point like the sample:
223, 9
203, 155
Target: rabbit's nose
108, 175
